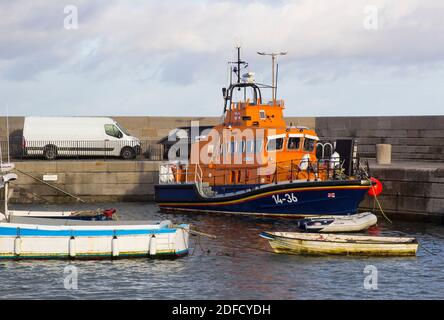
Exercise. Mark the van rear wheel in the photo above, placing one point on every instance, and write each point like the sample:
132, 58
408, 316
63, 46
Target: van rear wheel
50, 152
127, 153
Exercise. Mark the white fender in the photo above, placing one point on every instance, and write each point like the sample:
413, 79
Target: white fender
304, 162
115, 247
18, 245
72, 247
335, 160
153, 246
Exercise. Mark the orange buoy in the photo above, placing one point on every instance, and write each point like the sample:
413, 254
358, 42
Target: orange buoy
376, 188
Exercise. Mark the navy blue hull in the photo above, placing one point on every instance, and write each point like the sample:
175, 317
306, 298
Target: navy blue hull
290, 199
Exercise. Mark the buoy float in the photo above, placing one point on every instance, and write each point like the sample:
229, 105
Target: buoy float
72, 247
18, 245
115, 246
153, 246
376, 188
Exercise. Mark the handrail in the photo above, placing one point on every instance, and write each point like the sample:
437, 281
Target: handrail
290, 170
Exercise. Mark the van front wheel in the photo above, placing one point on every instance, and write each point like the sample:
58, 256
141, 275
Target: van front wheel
127, 153
50, 152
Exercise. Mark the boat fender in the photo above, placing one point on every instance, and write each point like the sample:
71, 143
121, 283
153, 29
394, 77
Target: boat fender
18, 246
376, 188
115, 246
304, 162
108, 213
335, 160
153, 246
72, 247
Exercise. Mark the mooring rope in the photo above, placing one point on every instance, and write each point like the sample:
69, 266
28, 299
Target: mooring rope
199, 234
376, 198
380, 208
50, 185
426, 250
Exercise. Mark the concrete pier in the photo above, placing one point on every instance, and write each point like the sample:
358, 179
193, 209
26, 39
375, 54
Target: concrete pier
412, 190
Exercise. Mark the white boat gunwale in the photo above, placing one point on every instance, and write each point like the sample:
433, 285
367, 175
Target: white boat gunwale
368, 239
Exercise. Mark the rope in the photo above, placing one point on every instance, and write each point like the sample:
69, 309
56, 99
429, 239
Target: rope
376, 198
50, 185
196, 232
382, 211
425, 249
199, 234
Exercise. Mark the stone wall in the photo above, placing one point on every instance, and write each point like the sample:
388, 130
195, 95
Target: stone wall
411, 190
92, 181
150, 128
411, 137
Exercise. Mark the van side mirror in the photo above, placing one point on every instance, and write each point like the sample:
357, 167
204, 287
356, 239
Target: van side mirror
224, 92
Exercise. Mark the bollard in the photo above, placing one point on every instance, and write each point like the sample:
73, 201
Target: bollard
383, 153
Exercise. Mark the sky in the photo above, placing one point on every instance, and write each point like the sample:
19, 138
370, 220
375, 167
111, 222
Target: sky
169, 58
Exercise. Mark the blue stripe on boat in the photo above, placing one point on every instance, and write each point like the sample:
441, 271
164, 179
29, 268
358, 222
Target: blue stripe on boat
9, 231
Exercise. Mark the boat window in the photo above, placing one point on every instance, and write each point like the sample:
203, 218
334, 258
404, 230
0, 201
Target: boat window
262, 115
241, 146
250, 146
293, 143
275, 144
112, 131
233, 147
309, 144
226, 147
258, 146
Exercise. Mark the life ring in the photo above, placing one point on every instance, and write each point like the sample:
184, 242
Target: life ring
376, 187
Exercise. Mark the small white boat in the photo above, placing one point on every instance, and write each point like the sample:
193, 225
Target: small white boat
64, 238
351, 223
315, 243
30, 236
94, 215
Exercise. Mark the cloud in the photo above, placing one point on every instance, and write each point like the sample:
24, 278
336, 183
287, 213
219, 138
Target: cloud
130, 33
181, 44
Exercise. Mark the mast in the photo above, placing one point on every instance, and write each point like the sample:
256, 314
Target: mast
273, 56
238, 65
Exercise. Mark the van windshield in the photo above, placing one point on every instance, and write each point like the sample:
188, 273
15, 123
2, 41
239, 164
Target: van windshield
122, 129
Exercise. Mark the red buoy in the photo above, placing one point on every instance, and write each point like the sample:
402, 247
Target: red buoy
376, 188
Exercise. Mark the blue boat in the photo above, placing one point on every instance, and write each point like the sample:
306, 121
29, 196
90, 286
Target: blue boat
297, 199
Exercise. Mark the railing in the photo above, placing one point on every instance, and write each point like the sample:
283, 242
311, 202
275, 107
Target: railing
68, 149
288, 171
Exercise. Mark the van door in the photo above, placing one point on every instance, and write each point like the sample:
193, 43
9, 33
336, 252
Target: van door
113, 140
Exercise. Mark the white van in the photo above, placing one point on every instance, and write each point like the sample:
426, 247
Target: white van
77, 136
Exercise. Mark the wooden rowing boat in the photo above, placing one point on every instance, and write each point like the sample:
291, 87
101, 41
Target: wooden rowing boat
314, 243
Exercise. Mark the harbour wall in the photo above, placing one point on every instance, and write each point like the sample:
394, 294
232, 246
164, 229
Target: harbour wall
91, 181
412, 137
413, 183
412, 190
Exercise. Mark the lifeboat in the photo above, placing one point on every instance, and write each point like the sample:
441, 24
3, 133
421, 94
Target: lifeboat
253, 163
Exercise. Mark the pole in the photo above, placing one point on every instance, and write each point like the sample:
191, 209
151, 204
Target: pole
273, 58
273, 76
6, 200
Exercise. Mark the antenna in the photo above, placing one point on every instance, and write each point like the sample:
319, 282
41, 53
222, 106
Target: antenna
238, 63
7, 131
273, 60
277, 76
